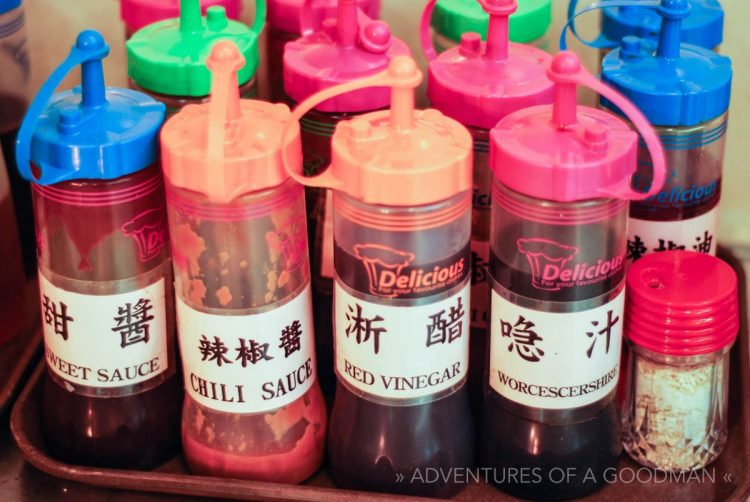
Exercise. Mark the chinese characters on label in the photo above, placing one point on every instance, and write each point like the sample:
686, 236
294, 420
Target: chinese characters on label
133, 322
448, 329
363, 328
58, 320
250, 351
696, 234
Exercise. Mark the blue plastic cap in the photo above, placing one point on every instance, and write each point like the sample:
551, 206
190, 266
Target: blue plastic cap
703, 27
679, 84
92, 131
7, 5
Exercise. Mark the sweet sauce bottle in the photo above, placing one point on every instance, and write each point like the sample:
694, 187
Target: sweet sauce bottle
478, 84
345, 49
167, 60
559, 215
288, 20
703, 26
111, 393
401, 182
684, 91
253, 407
453, 18
15, 79
137, 14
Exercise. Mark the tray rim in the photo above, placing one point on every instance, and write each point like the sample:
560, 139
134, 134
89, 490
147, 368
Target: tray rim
237, 489
22, 367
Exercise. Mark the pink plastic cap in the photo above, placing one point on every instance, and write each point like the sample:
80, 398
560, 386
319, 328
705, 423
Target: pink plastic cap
286, 15
230, 146
479, 83
681, 303
347, 48
565, 152
138, 13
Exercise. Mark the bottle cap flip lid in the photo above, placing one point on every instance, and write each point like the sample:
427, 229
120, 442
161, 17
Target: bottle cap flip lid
286, 15
91, 131
138, 13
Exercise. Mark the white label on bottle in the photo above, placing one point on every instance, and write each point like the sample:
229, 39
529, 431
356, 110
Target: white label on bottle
696, 234
326, 256
105, 341
480, 294
248, 363
555, 360
402, 352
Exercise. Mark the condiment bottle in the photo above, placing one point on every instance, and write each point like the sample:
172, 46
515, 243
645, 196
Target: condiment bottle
681, 320
137, 14
453, 18
478, 84
401, 182
13, 309
345, 49
167, 60
253, 407
111, 395
684, 91
15, 79
559, 214
288, 20
704, 25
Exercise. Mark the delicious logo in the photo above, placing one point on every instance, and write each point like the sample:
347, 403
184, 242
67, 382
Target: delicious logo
549, 265
148, 229
390, 274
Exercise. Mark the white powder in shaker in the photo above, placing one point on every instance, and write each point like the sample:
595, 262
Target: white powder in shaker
675, 413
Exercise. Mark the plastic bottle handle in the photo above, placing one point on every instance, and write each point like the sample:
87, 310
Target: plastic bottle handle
428, 48
89, 47
398, 76
623, 190
600, 42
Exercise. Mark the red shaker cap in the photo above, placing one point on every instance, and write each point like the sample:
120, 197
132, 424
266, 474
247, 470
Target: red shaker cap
681, 303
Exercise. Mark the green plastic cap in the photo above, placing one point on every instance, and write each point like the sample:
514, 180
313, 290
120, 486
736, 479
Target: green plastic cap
169, 57
453, 18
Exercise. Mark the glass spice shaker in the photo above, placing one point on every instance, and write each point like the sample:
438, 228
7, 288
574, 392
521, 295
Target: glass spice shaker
253, 407
348, 49
465, 83
453, 18
167, 60
401, 181
704, 26
288, 20
681, 320
111, 394
137, 14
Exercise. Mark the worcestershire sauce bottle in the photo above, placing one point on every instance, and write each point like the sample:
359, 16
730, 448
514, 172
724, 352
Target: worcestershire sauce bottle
401, 182
559, 217
111, 395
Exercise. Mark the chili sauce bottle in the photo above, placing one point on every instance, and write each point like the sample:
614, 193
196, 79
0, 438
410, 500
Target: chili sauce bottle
703, 26
167, 60
137, 14
253, 407
559, 216
15, 80
478, 84
401, 182
290, 19
345, 49
453, 18
684, 91
111, 393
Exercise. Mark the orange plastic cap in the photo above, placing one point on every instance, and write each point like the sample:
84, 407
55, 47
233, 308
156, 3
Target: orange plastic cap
228, 147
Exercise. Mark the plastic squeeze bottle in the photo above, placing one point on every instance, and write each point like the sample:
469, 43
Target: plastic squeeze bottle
111, 395
137, 14
559, 215
684, 91
478, 84
347, 48
290, 19
253, 407
453, 18
167, 60
401, 182
15, 79
703, 26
